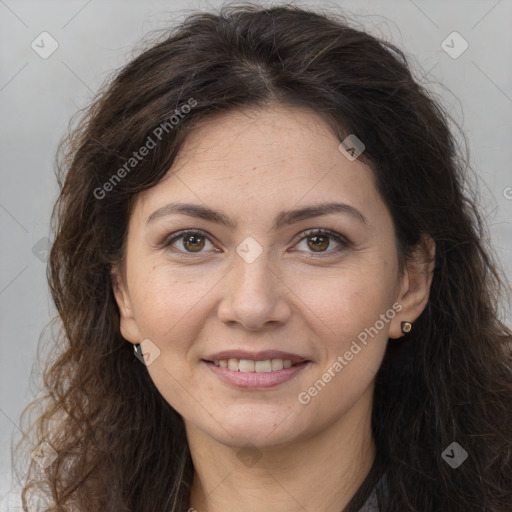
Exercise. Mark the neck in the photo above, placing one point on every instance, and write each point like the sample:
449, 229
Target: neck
321, 472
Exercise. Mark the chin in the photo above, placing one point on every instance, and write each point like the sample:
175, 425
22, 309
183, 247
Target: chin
263, 432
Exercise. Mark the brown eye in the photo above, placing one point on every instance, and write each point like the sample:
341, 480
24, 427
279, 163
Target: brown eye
193, 242
318, 241
187, 242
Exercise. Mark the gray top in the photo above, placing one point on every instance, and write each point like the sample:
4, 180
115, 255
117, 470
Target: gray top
371, 505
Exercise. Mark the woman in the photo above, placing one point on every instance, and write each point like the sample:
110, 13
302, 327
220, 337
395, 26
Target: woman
274, 288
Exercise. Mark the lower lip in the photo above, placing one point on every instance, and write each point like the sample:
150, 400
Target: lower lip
257, 380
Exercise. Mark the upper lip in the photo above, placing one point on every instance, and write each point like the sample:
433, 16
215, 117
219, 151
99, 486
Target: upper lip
262, 355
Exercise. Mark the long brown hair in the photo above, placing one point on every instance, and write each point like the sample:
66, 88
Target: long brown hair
120, 445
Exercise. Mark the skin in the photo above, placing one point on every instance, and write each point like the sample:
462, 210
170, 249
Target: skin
251, 165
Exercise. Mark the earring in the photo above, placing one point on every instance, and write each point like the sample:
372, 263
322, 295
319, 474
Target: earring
406, 327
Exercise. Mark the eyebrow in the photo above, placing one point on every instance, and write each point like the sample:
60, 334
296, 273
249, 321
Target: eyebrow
282, 218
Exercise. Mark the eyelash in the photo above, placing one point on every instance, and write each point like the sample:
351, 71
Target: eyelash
343, 241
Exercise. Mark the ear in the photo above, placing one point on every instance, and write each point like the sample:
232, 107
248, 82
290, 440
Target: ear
415, 286
127, 323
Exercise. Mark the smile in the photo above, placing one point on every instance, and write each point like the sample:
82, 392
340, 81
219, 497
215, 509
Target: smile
249, 374
248, 365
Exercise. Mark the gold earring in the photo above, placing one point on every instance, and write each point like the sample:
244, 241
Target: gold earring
406, 327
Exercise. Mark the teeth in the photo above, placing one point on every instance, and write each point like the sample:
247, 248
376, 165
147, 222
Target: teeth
247, 365
277, 364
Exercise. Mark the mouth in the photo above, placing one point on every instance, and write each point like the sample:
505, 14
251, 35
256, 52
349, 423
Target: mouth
256, 374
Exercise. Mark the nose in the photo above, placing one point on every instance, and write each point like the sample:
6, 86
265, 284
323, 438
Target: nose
254, 295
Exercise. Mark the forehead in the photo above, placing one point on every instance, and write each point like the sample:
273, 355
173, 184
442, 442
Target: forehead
258, 157
260, 135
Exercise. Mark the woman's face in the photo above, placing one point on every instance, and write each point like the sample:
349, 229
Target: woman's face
254, 277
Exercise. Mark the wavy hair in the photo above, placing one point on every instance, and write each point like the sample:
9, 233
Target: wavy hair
120, 445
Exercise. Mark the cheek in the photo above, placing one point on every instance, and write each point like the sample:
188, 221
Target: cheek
350, 316
170, 311
347, 302
351, 320
168, 304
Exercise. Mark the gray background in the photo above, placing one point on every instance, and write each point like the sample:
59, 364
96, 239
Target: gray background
38, 97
